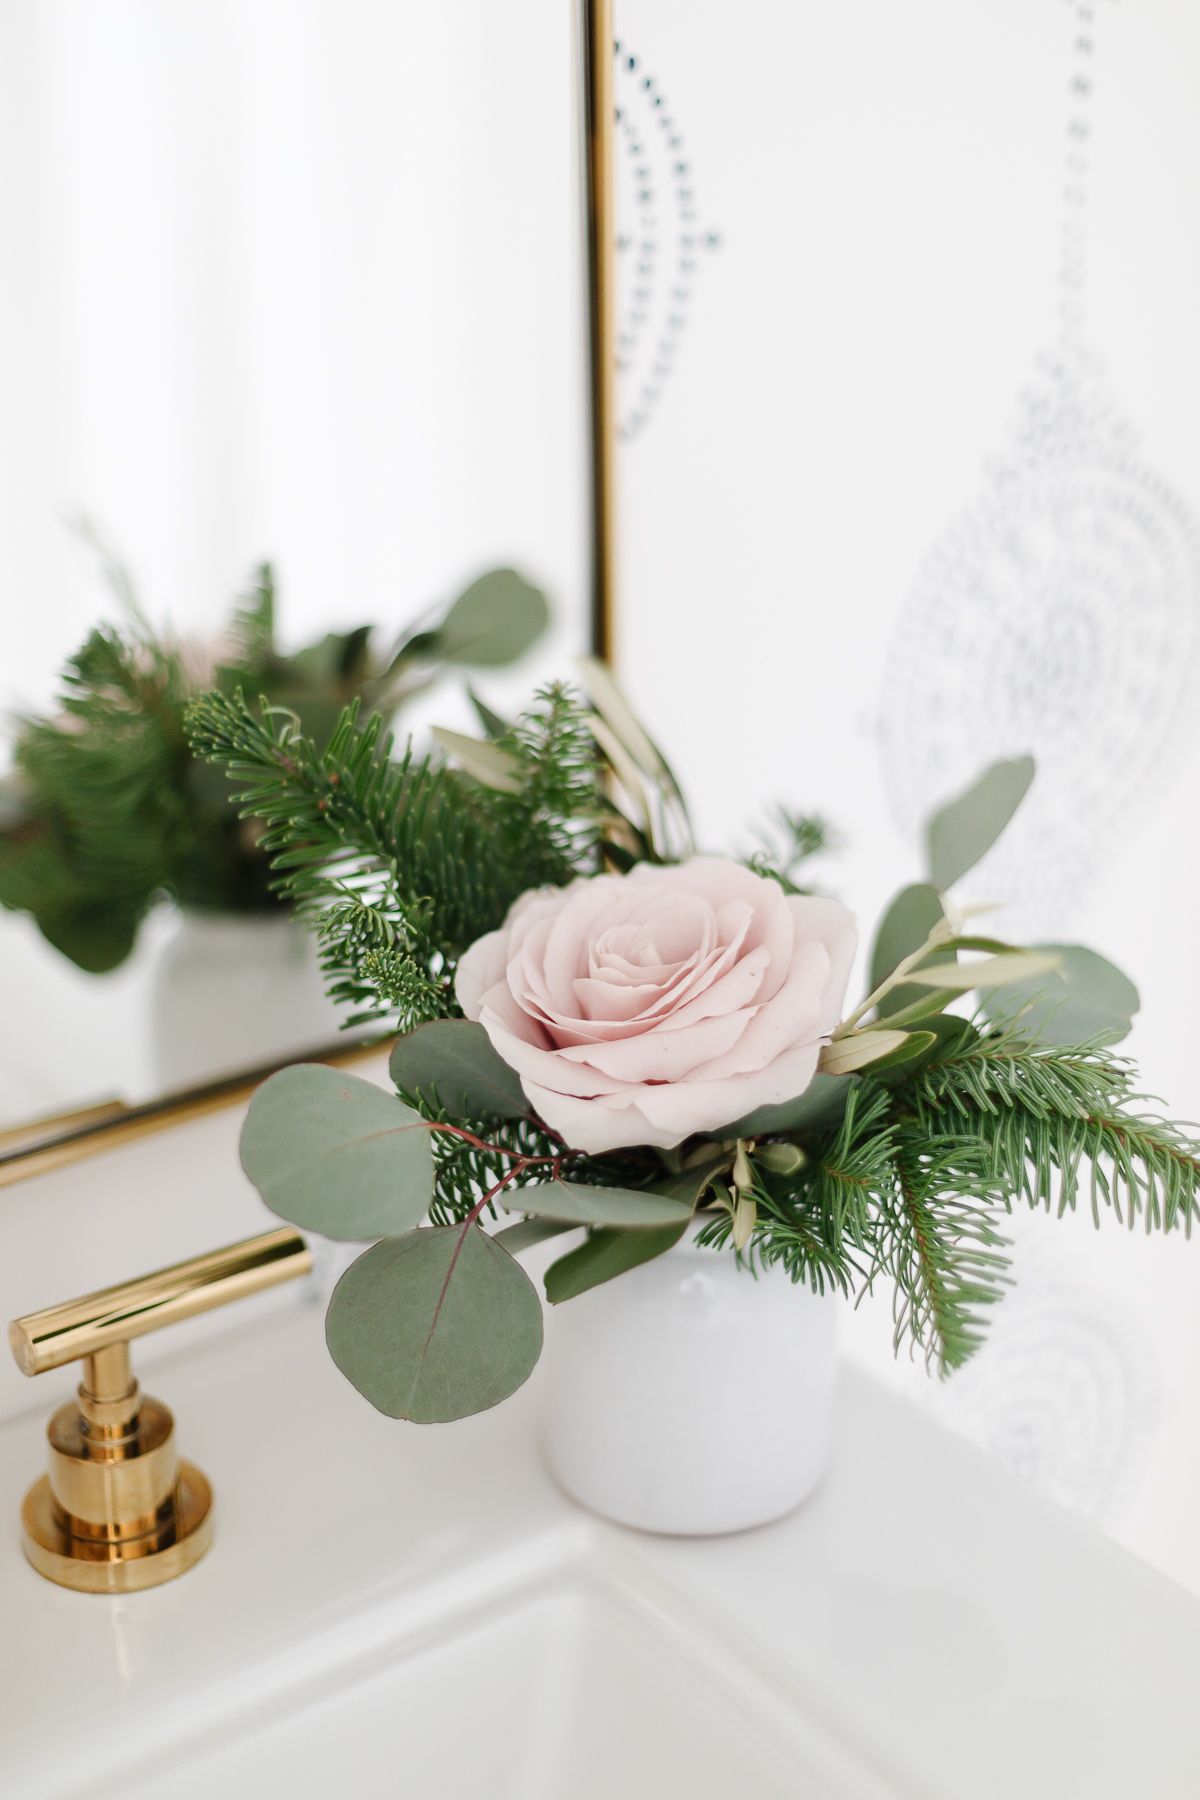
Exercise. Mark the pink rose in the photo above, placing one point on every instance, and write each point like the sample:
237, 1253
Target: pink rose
640, 1008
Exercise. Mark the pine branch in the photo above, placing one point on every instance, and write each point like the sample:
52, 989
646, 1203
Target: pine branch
940, 1248
416, 860
818, 1223
464, 1172
1056, 1122
795, 839
371, 963
253, 626
561, 805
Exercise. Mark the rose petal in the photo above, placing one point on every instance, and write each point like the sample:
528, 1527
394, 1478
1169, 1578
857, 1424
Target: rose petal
645, 1008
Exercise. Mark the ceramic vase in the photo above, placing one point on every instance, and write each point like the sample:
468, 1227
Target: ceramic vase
691, 1396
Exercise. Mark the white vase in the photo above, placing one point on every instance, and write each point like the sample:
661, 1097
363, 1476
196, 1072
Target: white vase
689, 1396
234, 990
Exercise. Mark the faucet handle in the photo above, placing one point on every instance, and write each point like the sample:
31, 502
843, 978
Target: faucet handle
118, 1510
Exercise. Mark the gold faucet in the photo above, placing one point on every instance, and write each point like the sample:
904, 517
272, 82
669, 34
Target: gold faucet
118, 1509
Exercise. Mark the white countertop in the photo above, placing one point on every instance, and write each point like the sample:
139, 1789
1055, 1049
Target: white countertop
939, 1629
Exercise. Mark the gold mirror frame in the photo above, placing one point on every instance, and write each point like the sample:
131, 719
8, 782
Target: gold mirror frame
51, 1143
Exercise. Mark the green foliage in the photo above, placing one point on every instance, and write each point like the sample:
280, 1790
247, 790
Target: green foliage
453, 1060
791, 840
108, 809
435, 1325
939, 1246
915, 1181
605, 1254
900, 1161
1087, 997
417, 859
1056, 1122
576, 1204
962, 832
336, 1154
905, 926
492, 622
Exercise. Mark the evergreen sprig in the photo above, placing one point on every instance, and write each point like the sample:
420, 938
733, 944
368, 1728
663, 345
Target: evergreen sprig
915, 1181
1056, 1122
404, 862
108, 810
464, 1171
936, 1239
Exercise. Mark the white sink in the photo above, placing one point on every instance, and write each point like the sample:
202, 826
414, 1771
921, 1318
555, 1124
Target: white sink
418, 1613
574, 1689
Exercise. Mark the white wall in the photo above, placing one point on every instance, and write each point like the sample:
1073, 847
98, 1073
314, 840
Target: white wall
805, 618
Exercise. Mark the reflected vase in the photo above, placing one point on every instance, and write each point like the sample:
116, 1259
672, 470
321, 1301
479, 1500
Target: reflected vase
691, 1396
233, 991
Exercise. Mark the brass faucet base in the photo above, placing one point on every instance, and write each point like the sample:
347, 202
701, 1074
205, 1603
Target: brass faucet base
93, 1565
117, 1510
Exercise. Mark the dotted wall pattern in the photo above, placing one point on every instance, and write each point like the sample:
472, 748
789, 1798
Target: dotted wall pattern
662, 241
1058, 613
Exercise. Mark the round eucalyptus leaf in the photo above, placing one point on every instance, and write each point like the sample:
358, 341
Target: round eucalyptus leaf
962, 832
336, 1154
435, 1325
455, 1058
1086, 997
577, 1205
493, 622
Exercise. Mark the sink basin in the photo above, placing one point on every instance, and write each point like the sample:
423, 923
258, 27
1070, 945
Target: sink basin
576, 1690
395, 1611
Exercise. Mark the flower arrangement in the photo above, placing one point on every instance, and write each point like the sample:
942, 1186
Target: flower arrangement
601, 1028
107, 808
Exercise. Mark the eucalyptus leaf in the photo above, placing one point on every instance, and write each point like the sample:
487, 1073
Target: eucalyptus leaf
574, 1204
606, 1254
821, 1104
962, 832
1086, 997
493, 622
860, 1049
336, 1154
435, 1325
455, 1058
904, 927
528, 1232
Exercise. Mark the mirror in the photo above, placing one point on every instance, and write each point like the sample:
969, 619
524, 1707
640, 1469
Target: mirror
294, 285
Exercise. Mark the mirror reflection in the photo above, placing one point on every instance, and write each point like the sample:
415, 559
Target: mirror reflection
302, 343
